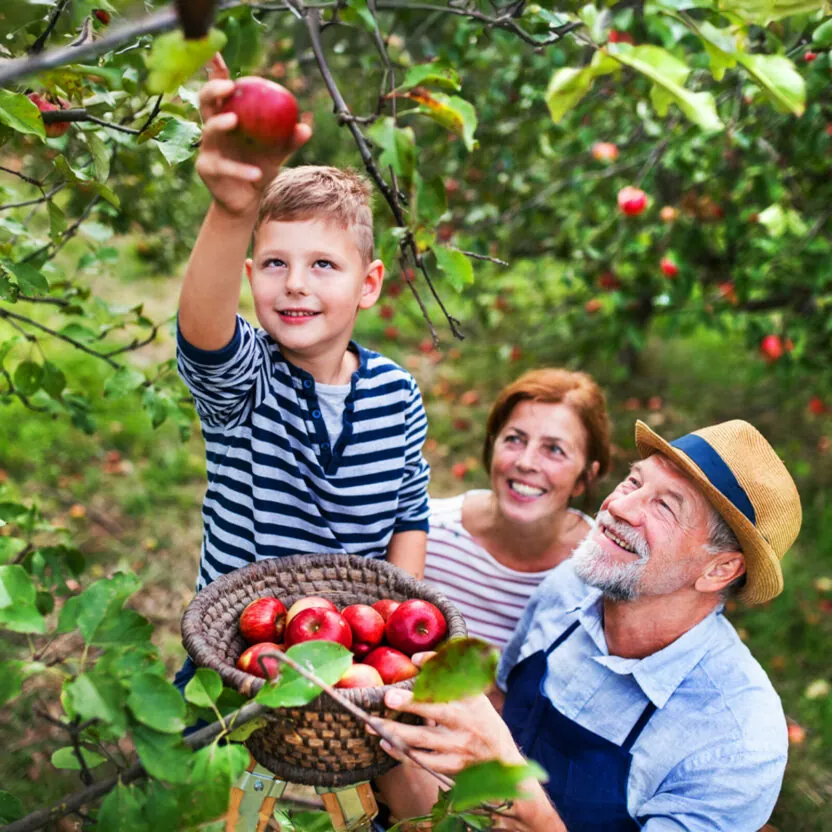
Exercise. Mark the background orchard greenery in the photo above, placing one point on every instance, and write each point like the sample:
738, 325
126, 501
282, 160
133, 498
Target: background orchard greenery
483, 121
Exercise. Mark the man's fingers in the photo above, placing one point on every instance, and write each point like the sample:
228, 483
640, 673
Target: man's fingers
217, 67
402, 700
212, 96
232, 170
218, 126
448, 764
302, 134
420, 658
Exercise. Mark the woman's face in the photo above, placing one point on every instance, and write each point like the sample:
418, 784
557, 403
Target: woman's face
537, 461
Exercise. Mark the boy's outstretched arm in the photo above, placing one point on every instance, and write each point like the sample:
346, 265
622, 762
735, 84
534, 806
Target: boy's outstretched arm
236, 175
407, 550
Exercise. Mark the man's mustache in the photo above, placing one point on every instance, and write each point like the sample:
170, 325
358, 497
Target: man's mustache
626, 532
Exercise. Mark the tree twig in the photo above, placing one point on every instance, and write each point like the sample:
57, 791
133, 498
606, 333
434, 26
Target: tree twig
38, 45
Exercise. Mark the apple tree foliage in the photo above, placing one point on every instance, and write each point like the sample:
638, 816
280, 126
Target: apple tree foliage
479, 123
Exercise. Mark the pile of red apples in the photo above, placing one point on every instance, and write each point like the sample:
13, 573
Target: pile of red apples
382, 636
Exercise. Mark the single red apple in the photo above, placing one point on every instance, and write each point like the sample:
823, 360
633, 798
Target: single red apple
728, 292
308, 602
620, 37
392, 665
318, 624
426, 345
391, 332
102, 16
809, 56
608, 281
604, 152
385, 312
797, 733
771, 348
632, 201
385, 607
55, 128
266, 112
669, 214
459, 470
367, 627
516, 353
592, 306
817, 406
415, 626
360, 676
249, 660
668, 267
829, 129
263, 620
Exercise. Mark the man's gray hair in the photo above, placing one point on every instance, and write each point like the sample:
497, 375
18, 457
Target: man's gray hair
721, 538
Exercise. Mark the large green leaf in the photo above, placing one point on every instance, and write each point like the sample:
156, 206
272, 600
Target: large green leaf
11, 808
461, 667
66, 758
173, 59
89, 610
125, 380
156, 703
668, 73
27, 377
165, 756
205, 687
455, 266
434, 74
452, 112
19, 113
95, 696
177, 140
493, 781
720, 44
326, 659
18, 595
121, 810
764, 12
569, 85
398, 145
215, 770
431, 202
779, 79
30, 280
822, 36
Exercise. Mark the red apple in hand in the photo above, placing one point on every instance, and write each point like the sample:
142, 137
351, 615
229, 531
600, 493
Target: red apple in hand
307, 603
55, 128
415, 626
249, 660
360, 676
318, 624
263, 620
385, 607
392, 665
367, 627
266, 112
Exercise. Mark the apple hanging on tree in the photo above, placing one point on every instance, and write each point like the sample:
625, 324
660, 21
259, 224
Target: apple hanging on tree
771, 348
632, 201
604, 152
266, 112
54, 129
668, 267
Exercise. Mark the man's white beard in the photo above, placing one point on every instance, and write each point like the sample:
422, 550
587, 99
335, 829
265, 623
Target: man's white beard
618, 581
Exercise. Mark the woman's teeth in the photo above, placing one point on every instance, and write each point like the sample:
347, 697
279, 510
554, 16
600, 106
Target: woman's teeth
525, 490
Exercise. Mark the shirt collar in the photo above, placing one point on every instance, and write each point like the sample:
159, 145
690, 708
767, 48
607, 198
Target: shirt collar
659, 674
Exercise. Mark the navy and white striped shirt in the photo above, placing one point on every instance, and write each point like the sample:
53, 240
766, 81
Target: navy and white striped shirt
275, 485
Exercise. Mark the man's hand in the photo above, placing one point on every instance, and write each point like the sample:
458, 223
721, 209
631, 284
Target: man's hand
234, 171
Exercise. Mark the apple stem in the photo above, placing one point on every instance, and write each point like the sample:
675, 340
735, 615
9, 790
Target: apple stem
374, 722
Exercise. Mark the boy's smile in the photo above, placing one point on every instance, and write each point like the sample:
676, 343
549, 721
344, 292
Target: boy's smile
309, 280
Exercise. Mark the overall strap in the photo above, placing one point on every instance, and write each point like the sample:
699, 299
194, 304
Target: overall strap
562, 637
638, 727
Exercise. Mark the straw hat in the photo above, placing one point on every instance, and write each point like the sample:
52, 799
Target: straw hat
746, 482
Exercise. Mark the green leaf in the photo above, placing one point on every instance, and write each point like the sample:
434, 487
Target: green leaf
431, 201
668, 73
357, 12
19, 113
30, 280
452, 112
121, 810
177, 140
215, 770
774, 220
10, 547
822, 36
456, 267
779, 79
493, 781
125, 380
53, 381
11, 680
205, 688
569, 85
326, 659
398, 146
18, 596
156, 703
57, 221
165, 756
242, 733
172, 59
461, 667
100, 156
720, 44
435, 74
764, 12
11, 808
27, 377
65, 758
96, 696
91, 608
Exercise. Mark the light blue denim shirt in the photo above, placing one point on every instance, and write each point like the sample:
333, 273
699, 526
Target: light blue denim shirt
713, 754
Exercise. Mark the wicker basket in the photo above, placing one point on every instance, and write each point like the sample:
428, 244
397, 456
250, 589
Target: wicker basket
320, 744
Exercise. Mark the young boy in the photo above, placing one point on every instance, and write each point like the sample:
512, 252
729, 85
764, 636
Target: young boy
313, 443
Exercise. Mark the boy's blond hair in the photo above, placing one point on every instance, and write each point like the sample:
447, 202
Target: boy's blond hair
321, 192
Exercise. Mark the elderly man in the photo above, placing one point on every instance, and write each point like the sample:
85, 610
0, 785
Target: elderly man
623, 679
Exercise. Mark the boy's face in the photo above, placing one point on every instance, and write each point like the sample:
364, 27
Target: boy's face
309, 280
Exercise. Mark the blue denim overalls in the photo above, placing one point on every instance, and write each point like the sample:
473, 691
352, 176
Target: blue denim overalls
587, 773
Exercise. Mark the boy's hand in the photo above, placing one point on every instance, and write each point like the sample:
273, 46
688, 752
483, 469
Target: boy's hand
233, 171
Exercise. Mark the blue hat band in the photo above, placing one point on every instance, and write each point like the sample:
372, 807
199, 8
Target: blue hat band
720, 476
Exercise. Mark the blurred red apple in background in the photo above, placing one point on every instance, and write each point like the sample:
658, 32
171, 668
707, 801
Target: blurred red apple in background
668, 267
771, 348
263, 620
632, 201
416, 625
392, 665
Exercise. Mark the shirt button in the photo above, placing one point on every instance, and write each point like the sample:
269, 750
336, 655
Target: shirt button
307, 383
325, 445
316, 414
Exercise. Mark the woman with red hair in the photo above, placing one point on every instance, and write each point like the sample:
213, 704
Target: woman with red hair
547, 442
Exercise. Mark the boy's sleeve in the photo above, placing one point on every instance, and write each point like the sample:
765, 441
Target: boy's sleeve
222, 381
413, 511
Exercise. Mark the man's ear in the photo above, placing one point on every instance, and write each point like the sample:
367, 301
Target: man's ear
249, 264
722, 570
371, 289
